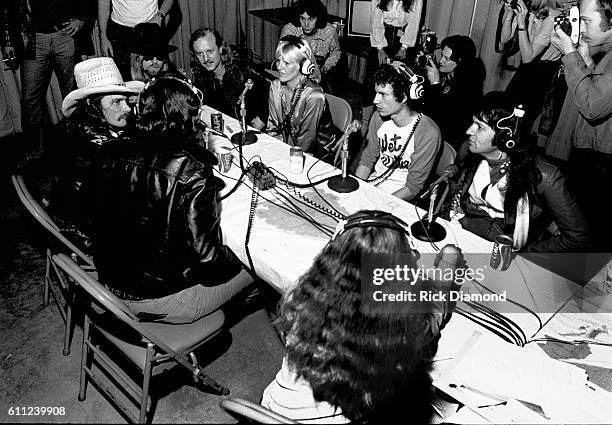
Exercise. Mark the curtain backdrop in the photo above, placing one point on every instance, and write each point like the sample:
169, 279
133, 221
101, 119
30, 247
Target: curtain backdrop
231, 18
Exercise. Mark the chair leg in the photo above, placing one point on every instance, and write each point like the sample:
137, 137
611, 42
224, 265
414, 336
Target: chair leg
146, 383
200, 376
84, 361
68, 330
47, 278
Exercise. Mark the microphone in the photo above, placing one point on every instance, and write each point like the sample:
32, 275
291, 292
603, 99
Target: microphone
448, 173
343, 183
350, 129
248, 85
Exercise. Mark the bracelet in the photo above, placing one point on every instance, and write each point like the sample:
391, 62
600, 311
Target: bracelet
522, 29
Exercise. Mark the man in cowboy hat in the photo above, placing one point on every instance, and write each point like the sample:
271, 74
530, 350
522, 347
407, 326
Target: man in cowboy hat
97, 112
150, 53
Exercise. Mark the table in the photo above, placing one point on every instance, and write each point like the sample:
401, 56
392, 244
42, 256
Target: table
359, 46
283, 246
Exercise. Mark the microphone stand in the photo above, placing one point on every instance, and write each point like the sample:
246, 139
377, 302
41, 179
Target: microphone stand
427, 229
343, 183
244, 137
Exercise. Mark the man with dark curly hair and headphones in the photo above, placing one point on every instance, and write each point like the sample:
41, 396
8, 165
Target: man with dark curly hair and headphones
402, 143
503, 188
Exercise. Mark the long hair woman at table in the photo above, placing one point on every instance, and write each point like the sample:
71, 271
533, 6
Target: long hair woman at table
347, 359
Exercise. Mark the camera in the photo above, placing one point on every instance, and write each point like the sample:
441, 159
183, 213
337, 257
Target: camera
11, 63
428, 41
569, 22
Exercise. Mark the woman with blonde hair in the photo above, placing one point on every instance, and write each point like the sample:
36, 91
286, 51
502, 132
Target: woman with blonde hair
298, 110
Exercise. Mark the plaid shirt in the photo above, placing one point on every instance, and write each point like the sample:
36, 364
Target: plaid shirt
324, 44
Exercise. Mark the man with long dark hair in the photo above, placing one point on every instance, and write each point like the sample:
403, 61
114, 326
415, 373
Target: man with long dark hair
504, 189
96, 112
156, 231
351, 359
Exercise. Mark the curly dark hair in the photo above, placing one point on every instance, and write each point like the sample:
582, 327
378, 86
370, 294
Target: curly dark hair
314, 8
371, 363
168, 107
523, 174
387, 74
406, 4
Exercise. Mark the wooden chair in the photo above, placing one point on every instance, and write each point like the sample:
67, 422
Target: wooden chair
61, 291
110, 327
243, 409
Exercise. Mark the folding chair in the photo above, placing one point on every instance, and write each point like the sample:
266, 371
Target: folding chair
253, 412
111, 327
446, 158
340, 111
61, 292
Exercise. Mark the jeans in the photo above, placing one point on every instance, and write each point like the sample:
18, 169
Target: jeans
54, 52
192, 303
121, 37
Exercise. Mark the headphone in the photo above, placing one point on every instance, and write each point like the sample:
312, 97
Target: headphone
307, 66
507, 138
185, 82
376, 219
417, 90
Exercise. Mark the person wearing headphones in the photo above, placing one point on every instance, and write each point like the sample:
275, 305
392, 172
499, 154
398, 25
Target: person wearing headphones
298, 112
503, 188
402, 143
349, 358
155, 214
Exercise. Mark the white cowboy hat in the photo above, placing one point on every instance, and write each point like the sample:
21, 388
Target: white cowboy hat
97, 76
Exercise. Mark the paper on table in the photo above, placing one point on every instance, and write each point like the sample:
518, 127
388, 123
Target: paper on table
497, 367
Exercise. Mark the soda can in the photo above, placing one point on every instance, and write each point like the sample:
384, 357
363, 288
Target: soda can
216, 122
502, 252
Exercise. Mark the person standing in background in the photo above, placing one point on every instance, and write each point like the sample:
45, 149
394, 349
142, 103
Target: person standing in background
48, 33
310, 23
588, 73
117, 19
394, 27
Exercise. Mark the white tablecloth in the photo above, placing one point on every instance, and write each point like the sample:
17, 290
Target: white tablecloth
283, 245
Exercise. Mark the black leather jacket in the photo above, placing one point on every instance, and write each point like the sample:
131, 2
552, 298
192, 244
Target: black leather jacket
554, 203
156, 219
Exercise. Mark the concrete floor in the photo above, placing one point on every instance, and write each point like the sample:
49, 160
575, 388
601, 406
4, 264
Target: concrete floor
33, 371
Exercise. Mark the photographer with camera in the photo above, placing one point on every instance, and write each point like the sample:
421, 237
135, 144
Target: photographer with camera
455, 87
588, 73
531, 22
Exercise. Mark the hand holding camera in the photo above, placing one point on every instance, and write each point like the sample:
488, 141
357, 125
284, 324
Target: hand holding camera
569, 22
